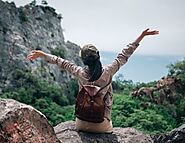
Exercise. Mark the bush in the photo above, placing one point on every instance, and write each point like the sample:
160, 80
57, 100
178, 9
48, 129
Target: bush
47, 98
72, 91
22, 15
120, 85
177, 70
127, 112
59, 51
53, 111
149, 121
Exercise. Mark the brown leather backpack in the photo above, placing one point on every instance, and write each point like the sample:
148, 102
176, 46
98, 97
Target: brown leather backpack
90, 103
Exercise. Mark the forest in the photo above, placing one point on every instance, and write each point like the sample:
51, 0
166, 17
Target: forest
154, 107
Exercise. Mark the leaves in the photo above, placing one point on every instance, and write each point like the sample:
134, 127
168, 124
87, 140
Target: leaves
127, 112
45, 97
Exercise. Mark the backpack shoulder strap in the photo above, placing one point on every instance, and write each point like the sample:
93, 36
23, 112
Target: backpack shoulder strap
94, 88
110, 80
94, 85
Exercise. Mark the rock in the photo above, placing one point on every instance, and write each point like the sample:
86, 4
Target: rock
73, 52
67, 133
23, 29
175, 136
20, 123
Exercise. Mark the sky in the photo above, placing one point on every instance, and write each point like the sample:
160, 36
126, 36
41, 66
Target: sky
111, 24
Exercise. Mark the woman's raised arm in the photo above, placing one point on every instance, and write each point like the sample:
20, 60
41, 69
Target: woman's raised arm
52, 59
123, 56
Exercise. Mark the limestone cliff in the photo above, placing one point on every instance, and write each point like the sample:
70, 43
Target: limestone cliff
32, 27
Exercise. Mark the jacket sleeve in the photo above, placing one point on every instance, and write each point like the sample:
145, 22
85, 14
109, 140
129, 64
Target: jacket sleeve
122, 58
64, 64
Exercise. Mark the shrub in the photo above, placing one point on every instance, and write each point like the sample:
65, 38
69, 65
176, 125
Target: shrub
127, 112
28, 89
22, 15
59, 51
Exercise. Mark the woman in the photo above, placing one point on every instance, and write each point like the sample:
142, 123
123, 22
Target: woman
96, 74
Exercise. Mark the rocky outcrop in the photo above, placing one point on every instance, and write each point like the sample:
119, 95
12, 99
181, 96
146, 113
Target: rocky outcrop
23, 29
67, 133
20, 123
166, 88
175, 136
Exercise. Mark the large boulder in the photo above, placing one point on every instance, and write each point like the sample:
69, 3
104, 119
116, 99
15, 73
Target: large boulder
67, 133
175, 136
20, 123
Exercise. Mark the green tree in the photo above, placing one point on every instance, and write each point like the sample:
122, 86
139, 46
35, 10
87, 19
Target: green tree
22, 15
47, 98
177, 71
128, 112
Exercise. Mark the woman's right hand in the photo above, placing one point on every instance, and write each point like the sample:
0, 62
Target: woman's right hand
34, 54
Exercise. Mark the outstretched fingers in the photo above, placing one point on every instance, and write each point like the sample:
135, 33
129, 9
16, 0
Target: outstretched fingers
150, 32
32, 55
154, 32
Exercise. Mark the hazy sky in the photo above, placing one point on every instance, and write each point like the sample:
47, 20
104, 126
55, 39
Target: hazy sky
111, 24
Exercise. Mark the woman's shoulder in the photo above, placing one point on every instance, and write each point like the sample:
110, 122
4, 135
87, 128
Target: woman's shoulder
104, 78
84, 75
106, 69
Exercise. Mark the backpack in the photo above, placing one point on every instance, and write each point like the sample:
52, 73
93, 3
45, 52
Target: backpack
90, 103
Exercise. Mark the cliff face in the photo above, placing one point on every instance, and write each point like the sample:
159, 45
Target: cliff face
32, 27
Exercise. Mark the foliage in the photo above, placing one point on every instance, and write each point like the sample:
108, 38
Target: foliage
54, 112
48, 98
59, 51
22, 15
122, 85
33, 3
143, 115
72, 90
128, 112
177, 70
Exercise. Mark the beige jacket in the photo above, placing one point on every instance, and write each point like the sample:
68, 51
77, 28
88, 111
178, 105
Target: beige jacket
108, 72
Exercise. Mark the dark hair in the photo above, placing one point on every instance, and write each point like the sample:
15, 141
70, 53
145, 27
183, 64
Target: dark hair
94, 67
